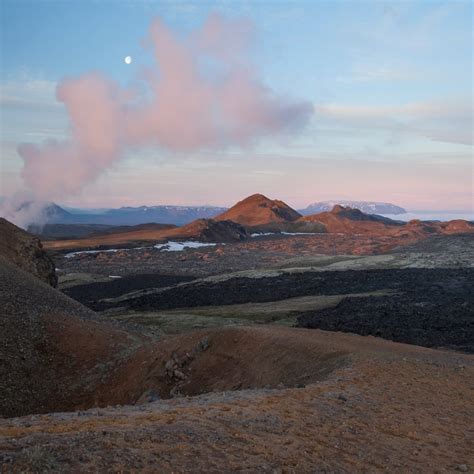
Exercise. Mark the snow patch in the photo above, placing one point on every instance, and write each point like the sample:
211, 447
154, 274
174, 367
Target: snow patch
257, 234
179, 246
166, 247
301, 233
261, 234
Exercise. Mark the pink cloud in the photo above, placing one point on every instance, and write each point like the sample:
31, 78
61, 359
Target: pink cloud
204, 92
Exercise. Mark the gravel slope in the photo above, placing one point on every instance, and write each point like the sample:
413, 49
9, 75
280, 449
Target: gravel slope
395, 408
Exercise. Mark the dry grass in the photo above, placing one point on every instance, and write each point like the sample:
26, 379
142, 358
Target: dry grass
283, 313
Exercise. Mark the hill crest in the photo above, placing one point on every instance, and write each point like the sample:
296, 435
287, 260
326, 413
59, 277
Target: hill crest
258, 209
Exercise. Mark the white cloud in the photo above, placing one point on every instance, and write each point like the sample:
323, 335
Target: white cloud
374, 72
28, 93
448, 120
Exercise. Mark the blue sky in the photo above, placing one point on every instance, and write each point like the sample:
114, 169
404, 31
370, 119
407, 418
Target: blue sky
391, 83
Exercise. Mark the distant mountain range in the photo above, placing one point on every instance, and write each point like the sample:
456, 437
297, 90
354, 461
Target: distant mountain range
178, 215
254, 216
51, 213
369, 207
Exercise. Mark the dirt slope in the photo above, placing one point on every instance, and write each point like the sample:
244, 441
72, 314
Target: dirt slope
54, 353
387, 408
259, 210
26, 251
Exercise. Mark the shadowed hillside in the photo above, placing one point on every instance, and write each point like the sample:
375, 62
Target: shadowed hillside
26, 251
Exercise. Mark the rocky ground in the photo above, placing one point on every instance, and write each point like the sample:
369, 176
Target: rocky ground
419, 294
270, 251
246, 392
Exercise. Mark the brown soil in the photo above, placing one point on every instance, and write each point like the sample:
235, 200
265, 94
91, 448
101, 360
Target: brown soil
381, 407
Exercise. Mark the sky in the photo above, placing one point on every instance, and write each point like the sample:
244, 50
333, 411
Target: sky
389, 86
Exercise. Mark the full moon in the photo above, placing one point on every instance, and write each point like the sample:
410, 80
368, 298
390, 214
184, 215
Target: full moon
128, 59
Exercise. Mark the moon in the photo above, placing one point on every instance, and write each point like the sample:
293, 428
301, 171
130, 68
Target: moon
127, 60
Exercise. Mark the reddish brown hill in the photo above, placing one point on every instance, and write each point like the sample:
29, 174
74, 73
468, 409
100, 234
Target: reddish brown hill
352, 221
417, 228
420, 229
258, 210
346, 220
26, 251
357, 215
457, 226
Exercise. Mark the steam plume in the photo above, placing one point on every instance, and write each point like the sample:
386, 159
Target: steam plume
202, 93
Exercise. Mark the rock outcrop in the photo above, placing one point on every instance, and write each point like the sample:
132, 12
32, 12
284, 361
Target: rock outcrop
26, 252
